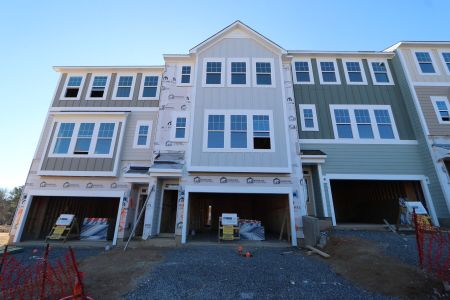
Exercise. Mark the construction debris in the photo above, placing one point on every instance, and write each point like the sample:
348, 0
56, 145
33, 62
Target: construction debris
317, 251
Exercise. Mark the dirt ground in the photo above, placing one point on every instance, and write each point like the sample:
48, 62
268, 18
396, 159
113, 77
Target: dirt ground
111, 274
363, 263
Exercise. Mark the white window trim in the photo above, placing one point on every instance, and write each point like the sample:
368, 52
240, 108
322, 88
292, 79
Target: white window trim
247, 72
62, 97
74, 137
336, 70
227, 130
363, 72
116, 86
272, 72
93, 75
174, 126
302, 117
222, 71
372, 73
294, 72
179, 70
136, 134
441, 56
434, 99
141, 89
433, 63
373, 122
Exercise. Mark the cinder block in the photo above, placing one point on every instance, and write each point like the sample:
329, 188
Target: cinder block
311, 229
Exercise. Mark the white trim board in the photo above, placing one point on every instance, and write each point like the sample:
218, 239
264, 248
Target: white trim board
222, 169
358, 142
99, 110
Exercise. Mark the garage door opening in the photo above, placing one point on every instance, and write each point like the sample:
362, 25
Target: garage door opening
371, 201
45, 210
206, 208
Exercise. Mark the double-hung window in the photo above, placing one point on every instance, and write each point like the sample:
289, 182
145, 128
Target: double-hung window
380, 73
216, 131
72, 89
261, 132
238, 75
63, 138
84, 138
98, 87
149, 87
363, 122
442, 108
303, 72
425, 62
142, 134
354, 72
238, 131
446, 60
104, 138
214, 72
180, 128
328, 73
263, 73
308, 117
185, 77
124, 87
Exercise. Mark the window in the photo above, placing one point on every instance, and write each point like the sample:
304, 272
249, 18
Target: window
84, 138
229, 131
213, 72
63, 139
384, 124
180, 128
303, 72
72, 89
261, 132
216, 131
124, 87
379, 70
425, 63
263, 73
149, 87
363, 122
238, 73
354, 72
104, 139
185, 74
142, 134
442, 108
446, 59
98, 86
343, 123
238, 131
328, 73
308, 117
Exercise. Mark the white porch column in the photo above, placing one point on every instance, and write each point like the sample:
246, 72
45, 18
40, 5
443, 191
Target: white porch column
150, 211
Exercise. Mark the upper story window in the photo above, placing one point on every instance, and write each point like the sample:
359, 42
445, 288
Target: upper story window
98, 87
308, 117
328, 73
354, 72
104, 138
238, 72
261, 132
124, 87
365, 122
186, 74
142, 134
446, 60
303, 72
425, 62
83, 144
263, 73
180, 128
238, 131
214, 70
63, 138
72, 87
442, 108
149, 87
216, 131
380, 73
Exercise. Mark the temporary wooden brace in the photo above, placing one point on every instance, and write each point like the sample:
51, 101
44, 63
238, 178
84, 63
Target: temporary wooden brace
139, 218
285, 224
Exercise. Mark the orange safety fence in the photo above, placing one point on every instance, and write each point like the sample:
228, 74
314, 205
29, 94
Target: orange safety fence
41, 278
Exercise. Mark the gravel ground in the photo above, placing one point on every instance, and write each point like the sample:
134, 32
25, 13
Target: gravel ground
217, 272
400, 246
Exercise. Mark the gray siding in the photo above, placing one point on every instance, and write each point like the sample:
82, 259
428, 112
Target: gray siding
57, 102
424, 94
239, 98
80, 163
323, 95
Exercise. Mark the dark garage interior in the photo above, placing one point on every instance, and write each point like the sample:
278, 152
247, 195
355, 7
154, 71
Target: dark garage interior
371, 201
44, 212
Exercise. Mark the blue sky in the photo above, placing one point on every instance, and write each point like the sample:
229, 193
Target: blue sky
36, 35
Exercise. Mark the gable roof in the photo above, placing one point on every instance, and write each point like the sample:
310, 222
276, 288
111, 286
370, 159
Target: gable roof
229, 28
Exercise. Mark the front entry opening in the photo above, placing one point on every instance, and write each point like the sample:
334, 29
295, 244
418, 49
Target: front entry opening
206, 208
169, 211
371, 201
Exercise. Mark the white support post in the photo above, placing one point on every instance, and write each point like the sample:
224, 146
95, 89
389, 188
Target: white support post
330, 198
185, 217
292, 217
429, 202
23, 219
116, 229
322, 191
